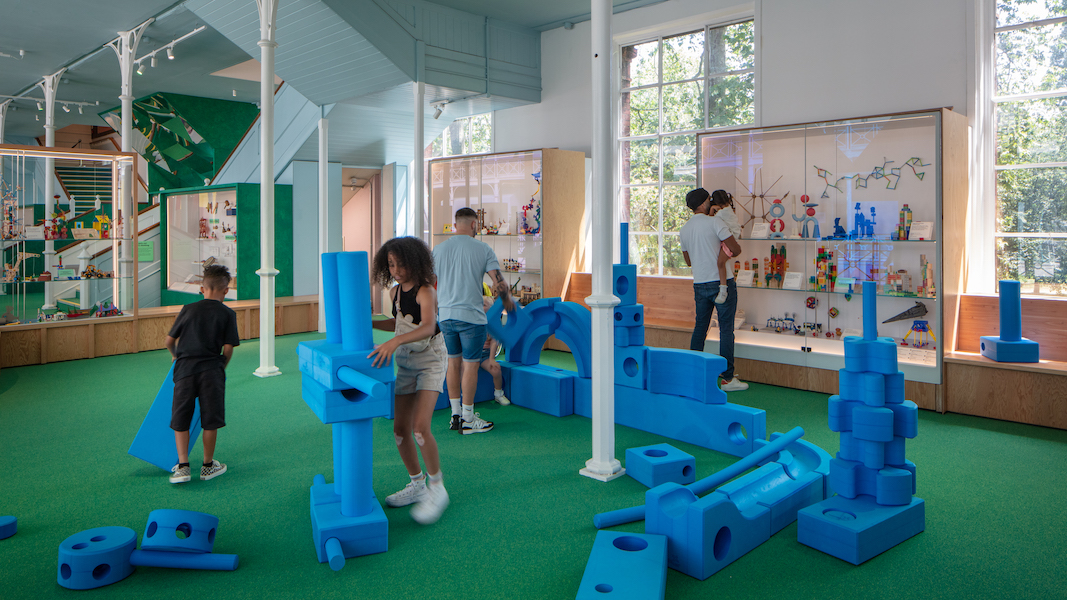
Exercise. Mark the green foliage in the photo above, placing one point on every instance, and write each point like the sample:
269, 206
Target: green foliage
467, 135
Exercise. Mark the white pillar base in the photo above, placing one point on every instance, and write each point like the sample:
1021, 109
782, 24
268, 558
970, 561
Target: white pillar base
267, 372
603, 471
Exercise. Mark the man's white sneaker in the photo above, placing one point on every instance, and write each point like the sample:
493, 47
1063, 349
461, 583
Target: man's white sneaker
478, 425
433, 503
734, 385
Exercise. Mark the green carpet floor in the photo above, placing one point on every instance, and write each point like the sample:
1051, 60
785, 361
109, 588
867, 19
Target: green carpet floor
520, 523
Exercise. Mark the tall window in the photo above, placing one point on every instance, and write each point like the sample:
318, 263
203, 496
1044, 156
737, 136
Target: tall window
672, 88
467, 135
1030, 101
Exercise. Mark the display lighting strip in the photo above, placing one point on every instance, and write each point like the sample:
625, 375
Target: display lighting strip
169, 49
66, 103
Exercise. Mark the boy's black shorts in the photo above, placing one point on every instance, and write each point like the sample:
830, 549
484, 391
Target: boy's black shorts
210, 387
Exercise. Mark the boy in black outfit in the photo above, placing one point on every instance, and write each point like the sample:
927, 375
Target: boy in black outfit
201, 342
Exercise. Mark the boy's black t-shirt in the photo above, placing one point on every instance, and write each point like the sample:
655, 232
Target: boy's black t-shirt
202, 329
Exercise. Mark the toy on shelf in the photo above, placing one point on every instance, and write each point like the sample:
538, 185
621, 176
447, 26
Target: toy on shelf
864, 227
102, 223
205, 231
1010, 346
92, 272
777, 225
919, 310
531, 212
761, 212
922, 331
807, 217
11, 271
10, 224
50, 314
833, 312
510, 264
811, 302
9, 318
105, 308
898, 284
926, 271
839, 231
904, 225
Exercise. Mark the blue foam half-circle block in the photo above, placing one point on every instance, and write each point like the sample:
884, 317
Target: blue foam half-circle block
95, 557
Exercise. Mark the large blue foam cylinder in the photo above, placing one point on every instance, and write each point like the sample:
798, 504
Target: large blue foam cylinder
184, 560
1011, 311
870, 311
364, 383
624, 243
357, 495
331, 298
353, 284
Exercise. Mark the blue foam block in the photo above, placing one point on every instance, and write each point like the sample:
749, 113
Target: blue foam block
624, 283
856, 530
95, 558
631, 367
1023, 350
801, 458
358, 536
320, 361
346, 405
546, 390
878, 355
727, 428
541, 322
629, 336
180, 531
905, 418
625, 566
887, 485
583, 397
632, 315
8, 527
660, 463
485, 388
154, 442
686, 373
772, 488
576, 330
872, 424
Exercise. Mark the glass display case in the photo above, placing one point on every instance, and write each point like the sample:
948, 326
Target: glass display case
71, 256
823, 208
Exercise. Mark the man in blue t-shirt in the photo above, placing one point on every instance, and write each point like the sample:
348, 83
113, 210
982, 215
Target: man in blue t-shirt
460, 263
700, 238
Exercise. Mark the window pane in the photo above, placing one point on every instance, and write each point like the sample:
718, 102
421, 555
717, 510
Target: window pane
1040, 261
1032, 131
640, 112
644, 209
680, 158
730, 101
640, 161
731, 48
675, 212
683, 57
1013, 12
644, 252
1032, 60
1032, 200
640, 64
673, 260
683, 106
481, 133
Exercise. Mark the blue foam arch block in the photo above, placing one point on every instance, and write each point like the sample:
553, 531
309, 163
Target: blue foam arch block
197, 531
686, 373
9, 525
625, 566
543, 322
95, 558
856, 530
540, 388
154, 442
660, 463
624, 283
509, 332
576, 330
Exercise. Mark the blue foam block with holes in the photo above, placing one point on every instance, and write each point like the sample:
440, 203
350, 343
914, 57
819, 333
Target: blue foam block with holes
856, 530
546, 390
359, 536
320, 360
632, 315
173, 530
660, 463
8, 527
686, 373
631, 367
154, 442
95, 558
629, 336
1023, 350
346, 405
625, 566
624, 283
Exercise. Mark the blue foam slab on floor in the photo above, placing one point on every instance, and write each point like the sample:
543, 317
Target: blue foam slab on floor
346, 405
359, 536
660, 463
1023, 350
9, 525
485, 388
686, 373
856, 530
154, 442
550, 391
625, 566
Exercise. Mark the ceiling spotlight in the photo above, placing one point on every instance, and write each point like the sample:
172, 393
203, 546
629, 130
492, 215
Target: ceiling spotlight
235, 93
36, 117
170, 53
153, 61
140, 68
437, 111
80, 110
66, 108
39, 107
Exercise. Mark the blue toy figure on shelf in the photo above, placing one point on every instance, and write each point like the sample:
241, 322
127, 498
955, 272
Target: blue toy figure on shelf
343, 388
1010, 346
874, 508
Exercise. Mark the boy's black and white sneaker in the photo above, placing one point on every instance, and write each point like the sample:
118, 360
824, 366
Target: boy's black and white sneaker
179, 474
211, 471
478, 425
454, 425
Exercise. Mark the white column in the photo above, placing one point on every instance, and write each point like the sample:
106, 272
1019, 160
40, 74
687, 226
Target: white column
324, 210
268, 12
49, 85
603, 466
418, 181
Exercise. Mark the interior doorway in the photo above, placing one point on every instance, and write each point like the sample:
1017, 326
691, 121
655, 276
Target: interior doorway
361, 216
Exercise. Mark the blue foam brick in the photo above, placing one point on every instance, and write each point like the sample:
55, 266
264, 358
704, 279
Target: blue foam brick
686, 373
154, 442
95, 558
198, 531
890, 485
359, 536
631, 366
629, 336
660, 463
483, 394
856, 530
1023, 350
624, 283
346, 405
546, 390
320, 360
9, 525
625, 566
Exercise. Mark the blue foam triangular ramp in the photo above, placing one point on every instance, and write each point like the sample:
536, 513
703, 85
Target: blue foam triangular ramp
154, 442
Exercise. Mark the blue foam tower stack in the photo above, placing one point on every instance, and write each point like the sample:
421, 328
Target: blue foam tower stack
342, 388
874, 508
1010, 345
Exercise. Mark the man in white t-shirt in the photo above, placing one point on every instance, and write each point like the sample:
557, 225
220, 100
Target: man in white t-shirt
701, 237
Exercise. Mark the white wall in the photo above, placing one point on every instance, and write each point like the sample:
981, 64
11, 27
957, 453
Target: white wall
305, 181
819, 60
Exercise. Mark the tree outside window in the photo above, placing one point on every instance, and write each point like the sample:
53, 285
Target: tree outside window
672, 88
467, 135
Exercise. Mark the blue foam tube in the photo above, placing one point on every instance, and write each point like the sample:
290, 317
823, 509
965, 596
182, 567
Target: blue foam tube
331, 298
184, 560
364, 383
353, 281
624, 243
870, 310
356, 474
1011, 311
337, 456
637, 513
334, 554
318, 480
